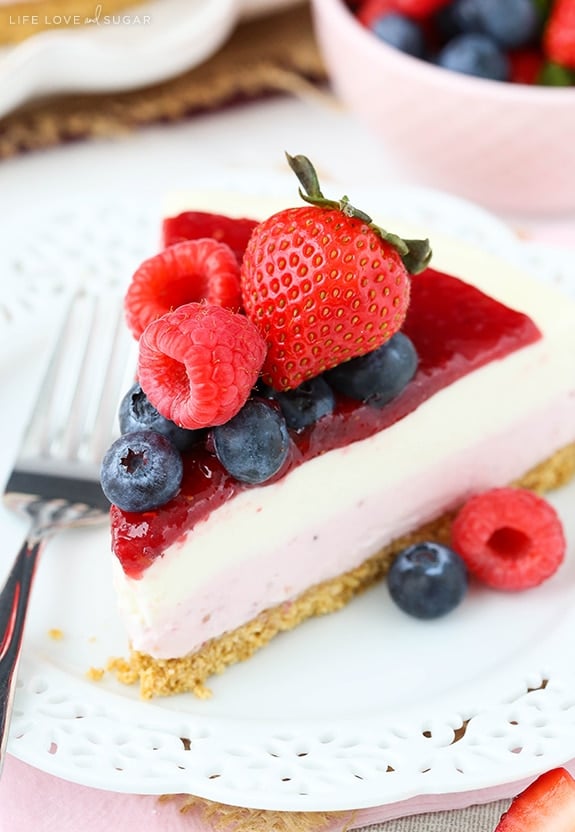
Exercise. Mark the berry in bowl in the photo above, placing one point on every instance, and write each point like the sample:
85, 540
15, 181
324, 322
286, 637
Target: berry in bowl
476, 97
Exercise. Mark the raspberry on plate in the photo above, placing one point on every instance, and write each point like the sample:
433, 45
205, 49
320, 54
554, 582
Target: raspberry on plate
510, 538
198, 364
186, 272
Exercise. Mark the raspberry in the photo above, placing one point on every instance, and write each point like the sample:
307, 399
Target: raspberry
198, 364
191, 271
509, 538
192, 225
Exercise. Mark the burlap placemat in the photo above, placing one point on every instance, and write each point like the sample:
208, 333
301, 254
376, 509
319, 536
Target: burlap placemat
271, 54
205, 815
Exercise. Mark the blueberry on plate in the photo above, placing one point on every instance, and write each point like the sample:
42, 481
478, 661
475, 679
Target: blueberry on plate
141, 471
254, 444
475, 54
401, 32
307, 403
136, 412
379, 376
427, 580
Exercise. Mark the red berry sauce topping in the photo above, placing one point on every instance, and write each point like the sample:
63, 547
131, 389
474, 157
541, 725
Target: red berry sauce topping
455, 328
192, 225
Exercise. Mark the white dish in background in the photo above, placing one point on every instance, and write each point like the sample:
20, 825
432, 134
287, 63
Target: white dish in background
335, 715
179, 35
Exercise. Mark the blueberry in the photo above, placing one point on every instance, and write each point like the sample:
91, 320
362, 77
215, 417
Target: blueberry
379, 376
137, 413
427, 580
460, 16
511, 23
261, 390
475, 54
307, 403
254, 444
141, 471
401, 32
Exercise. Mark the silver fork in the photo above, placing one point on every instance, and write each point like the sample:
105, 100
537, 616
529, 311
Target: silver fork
55, 480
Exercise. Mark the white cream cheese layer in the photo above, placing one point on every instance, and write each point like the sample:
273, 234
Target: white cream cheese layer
269, 544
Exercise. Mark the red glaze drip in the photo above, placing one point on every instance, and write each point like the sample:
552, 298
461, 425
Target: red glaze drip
455, 329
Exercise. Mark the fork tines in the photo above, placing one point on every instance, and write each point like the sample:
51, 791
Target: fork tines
74, 419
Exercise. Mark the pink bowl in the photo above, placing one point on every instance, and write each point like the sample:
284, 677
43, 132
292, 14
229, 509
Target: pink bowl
508, 146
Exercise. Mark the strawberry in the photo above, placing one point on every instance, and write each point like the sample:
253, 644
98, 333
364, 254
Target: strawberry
183, 273
547, 805
510, 538
198, 364
323, 284
559, 35
193, 225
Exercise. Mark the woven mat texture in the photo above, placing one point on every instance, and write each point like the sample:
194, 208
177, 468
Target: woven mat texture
272, 54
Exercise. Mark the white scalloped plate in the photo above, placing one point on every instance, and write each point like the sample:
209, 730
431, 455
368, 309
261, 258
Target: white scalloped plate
362, 708
155, 40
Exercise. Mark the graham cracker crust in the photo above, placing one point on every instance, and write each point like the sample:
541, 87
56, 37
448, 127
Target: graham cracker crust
163, 677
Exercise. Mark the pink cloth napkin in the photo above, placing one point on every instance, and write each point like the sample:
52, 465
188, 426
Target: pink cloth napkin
31, 800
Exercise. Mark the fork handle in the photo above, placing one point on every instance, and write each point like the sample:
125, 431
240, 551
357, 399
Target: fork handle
13, 607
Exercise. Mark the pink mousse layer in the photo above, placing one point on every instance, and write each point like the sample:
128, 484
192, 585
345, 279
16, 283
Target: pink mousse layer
317, 553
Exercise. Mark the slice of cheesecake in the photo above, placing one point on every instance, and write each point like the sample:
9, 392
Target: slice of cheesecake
212, 576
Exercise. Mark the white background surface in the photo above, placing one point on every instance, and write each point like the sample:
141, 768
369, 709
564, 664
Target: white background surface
165, 158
